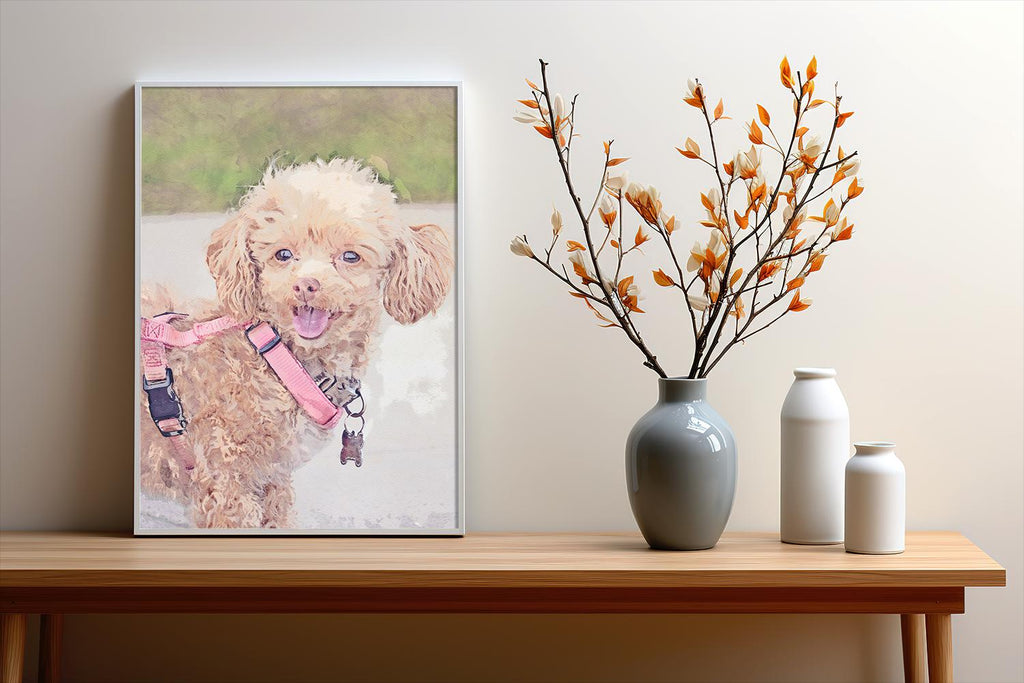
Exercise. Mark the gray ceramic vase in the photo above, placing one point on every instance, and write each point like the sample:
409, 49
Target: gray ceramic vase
681, 468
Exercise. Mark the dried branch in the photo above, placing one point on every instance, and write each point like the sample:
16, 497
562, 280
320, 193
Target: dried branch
773, 251
651, 360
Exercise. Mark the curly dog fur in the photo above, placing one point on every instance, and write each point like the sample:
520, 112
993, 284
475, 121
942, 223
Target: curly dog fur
319, 237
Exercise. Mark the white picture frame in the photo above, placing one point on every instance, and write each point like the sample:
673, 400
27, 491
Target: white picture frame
455, 523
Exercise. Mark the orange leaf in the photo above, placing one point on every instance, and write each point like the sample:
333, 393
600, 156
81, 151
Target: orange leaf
687, 153
830, 213
532, 84
794, 283
785, 75
796, 304
755, 133
572, 246
544, 130
727, 167
615, 243
844, 234
608, 218
767, 270
816, 103
640, 237
693, 102
854, 190
623, 286
630, 303
762, 114
735, 277
737, 308
801, 131
532, 104
561, 140
616, 162
670, 224
797, 246
661, 278
841, 119
719, 110
812, 68
742, 221
817, 262
706, 201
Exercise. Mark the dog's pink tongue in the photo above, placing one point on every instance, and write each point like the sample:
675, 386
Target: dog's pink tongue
310, 322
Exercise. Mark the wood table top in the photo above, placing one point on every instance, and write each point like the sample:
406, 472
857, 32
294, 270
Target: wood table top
496, 560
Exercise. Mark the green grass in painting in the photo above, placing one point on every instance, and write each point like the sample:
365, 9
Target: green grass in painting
203, 147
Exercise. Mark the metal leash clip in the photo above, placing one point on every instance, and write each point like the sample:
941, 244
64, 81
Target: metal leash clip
352, 440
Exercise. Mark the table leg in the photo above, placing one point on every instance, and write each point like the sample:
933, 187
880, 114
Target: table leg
12, 651
912, 629
51, 628
940, 647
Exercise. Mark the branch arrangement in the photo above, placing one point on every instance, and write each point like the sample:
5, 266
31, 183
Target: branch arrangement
763, 242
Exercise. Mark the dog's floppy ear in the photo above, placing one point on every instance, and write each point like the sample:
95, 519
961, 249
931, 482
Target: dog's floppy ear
421, 273
233, 268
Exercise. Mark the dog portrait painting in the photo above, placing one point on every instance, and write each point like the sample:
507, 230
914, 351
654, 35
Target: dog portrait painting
298, 320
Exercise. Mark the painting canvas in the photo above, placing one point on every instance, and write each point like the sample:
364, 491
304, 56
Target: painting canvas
298, 336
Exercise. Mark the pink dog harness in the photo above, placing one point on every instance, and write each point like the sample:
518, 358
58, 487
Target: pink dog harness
267, 342
165, 406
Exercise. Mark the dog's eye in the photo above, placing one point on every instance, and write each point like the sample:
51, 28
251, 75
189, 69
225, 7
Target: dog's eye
351, 257
283, 255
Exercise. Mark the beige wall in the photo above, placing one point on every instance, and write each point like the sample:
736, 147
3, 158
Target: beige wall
921, 314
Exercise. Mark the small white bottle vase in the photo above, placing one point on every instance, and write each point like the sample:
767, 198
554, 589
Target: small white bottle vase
815, 448
876, 500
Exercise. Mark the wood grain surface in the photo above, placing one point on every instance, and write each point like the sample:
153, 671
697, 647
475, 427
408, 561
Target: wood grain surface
939, 629
601, 560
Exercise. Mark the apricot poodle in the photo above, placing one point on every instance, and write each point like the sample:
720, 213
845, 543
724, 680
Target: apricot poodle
315, 250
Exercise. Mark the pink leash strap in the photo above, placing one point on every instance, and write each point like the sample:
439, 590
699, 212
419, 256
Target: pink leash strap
164, 406
159, 330
267, 342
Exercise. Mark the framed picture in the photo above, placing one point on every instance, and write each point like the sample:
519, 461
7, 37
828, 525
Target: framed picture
299, 309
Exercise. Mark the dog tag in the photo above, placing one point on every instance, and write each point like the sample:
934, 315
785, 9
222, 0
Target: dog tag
352, 447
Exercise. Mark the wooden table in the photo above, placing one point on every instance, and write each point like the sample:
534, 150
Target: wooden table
62, 573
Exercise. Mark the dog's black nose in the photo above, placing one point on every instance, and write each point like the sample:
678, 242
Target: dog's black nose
306, 285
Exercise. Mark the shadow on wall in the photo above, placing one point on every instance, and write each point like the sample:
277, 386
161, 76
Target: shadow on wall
100, 412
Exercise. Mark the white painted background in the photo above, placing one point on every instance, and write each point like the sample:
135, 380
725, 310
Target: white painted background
921, 314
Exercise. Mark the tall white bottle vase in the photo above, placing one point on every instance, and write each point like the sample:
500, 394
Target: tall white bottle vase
815, 448
876, 500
